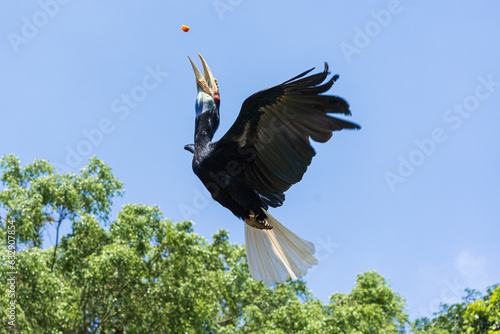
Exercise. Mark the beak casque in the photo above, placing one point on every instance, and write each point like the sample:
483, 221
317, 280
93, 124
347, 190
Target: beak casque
208, 84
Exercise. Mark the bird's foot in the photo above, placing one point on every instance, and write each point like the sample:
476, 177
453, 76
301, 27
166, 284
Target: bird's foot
257, 222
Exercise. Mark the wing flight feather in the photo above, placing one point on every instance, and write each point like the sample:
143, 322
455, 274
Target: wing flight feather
275, 125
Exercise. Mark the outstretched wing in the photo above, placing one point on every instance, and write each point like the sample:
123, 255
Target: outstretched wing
270, 137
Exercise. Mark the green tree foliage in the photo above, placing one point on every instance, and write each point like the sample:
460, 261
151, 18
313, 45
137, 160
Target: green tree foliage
35, 195
142, 273
483, 316
475, 315
449, 320
371, 307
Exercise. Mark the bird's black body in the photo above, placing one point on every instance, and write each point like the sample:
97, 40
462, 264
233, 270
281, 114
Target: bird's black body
267, 149
223, 176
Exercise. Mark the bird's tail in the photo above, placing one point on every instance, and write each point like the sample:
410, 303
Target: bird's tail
274, 254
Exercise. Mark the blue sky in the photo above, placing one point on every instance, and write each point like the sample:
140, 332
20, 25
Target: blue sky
413, 195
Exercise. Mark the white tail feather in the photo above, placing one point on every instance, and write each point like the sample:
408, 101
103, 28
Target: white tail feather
275, 254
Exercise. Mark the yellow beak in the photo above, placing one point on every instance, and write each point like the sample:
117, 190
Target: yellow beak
208, 84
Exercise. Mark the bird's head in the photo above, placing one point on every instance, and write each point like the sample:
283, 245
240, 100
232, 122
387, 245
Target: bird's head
208, 89
207, 102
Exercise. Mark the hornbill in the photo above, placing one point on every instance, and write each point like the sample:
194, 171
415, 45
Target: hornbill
265, 151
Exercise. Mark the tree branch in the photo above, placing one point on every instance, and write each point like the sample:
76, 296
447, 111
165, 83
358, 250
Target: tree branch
62, 216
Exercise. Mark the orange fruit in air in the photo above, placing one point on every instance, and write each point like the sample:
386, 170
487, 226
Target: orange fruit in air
185, 28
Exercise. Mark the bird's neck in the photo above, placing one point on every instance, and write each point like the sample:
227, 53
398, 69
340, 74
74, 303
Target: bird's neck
205, 126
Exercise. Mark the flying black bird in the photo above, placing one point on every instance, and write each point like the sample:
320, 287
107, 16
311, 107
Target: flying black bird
266, 151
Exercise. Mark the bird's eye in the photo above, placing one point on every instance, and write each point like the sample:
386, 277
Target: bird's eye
207, 103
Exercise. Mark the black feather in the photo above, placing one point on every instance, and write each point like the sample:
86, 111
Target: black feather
268, 149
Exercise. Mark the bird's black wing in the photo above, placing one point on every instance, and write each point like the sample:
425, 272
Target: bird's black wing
270, 137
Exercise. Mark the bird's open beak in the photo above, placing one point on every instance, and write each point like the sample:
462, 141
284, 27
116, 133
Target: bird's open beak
207, 84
